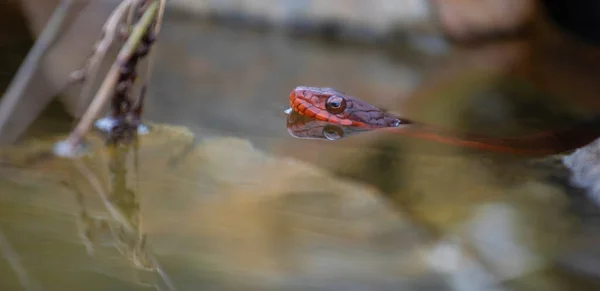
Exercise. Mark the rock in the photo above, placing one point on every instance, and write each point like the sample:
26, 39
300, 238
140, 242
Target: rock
220, 207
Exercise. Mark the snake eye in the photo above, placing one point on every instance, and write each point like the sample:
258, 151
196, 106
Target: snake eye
335, 104
332, 132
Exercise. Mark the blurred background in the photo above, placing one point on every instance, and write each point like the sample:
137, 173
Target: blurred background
220, 196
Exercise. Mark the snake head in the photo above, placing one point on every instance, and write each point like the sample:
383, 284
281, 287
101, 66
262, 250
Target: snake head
328, 104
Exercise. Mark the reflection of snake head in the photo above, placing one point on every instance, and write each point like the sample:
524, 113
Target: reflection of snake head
301, 126
326, 104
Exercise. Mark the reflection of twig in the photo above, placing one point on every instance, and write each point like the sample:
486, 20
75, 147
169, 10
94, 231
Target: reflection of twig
89, 72
15, 262
119, 216
163, 275
31, 63
110, 81
114, 211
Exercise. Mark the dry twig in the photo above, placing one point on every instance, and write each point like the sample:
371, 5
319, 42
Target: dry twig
90, 70
109, 83
131, 15
26, 71
150, 64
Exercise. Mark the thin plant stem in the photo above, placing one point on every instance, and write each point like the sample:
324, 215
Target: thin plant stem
135, 5
30, 65
110, 81
151, 54
90, 71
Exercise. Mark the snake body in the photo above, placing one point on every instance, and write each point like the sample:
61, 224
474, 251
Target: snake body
336, 114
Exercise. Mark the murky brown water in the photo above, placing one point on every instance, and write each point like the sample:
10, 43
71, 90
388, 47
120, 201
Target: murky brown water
245, 206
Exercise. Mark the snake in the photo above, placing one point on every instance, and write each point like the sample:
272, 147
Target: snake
328, 114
